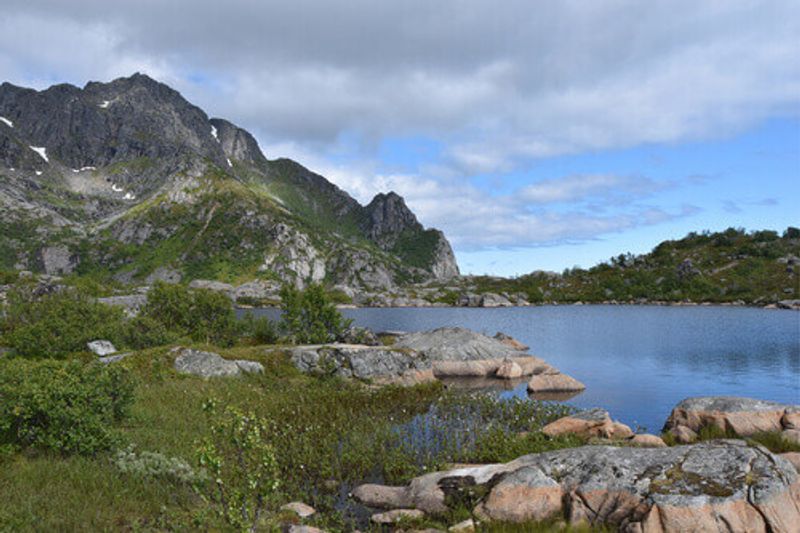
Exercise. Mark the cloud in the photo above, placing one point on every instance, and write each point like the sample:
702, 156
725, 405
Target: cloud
582, 187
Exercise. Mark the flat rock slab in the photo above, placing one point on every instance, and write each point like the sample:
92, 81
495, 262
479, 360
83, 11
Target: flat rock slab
722, 485
741, 416
211, 365
303, 510
362, 362
456, 344
554, 382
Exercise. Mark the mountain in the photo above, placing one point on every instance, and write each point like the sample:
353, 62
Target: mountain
128, 179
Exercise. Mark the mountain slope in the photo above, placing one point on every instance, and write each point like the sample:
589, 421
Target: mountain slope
129, 179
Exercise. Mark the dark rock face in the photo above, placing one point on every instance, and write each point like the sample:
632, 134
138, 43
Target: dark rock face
723, 485
132, 162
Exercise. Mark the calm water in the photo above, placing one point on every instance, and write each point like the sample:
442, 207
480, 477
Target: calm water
637, 361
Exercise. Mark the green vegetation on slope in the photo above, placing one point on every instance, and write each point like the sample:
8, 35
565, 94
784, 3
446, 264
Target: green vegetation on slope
702, 267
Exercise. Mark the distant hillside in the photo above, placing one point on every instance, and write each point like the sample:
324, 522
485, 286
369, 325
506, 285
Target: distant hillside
129, 180
758, 267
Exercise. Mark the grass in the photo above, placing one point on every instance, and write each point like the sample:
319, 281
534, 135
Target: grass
774, 441
329, 435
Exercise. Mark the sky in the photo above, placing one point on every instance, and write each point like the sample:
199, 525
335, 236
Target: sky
536, 135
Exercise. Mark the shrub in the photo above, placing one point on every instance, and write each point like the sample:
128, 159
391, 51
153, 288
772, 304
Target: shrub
154, 465
58, 324
201, 314
261, 330
241, 464
69, 407
145, 332
310, 315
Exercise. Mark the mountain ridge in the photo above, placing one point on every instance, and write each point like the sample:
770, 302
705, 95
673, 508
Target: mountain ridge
127, 178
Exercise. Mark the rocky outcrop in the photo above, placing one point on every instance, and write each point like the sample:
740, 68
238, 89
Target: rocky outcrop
731, 414
101, 347
722, 485
211, 365
510, 341
552, 380
130, 303
379, 364
456, 344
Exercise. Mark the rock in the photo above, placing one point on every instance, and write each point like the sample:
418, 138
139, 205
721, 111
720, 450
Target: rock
113, 358
683, 435
101, 347
511, 342
165, 274
295, 528
792, 435
455, 344
258, 291
211, 285
494, 300
646, 440
791, 418
554, 382
131, 303
382, 496
741, 416
508, 369
722, 485
794, 458
209, 365
591, 423
356, 335
57, 260
390, 517
467, 526
793, 305
299, 508
383, 364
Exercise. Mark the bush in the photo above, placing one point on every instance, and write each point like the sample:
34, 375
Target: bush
68, 407
58, 324
145, 332
203, 315
242, 465
154, 465
309, 316
261, 330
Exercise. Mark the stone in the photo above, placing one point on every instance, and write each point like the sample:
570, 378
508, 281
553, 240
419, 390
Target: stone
646, 440
741, 416
794, 458
494, 300
295, 528
791, 418
381, 496
455, 344
721, 485
683, 435
508, 369
511, 342
210, 365
555, 382
384, 364
591, 423
101, 347
301, 509
131, 303
391, 517
467, 526
57, 260
211, 285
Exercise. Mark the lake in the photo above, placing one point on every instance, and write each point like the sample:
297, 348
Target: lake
636, 361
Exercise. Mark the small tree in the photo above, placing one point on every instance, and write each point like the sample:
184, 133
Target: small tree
241, 465
310, 315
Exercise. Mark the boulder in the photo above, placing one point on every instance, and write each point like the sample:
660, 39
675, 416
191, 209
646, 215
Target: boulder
794, 458
295, 528
721, 485
741, 416
390, 517
101, 348
130, 303
591, 423
554, 381
491, 299
467, 526
382, 496
211, 285
646, 440
683, 435
113, 358
211, 365
508, 369
301, 509
511, 342
455, 344
356, 335
381, 364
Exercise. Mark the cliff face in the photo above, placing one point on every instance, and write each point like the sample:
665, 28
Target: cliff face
128, 177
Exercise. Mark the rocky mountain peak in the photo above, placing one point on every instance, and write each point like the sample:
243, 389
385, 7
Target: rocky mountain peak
237, 143
388, 217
